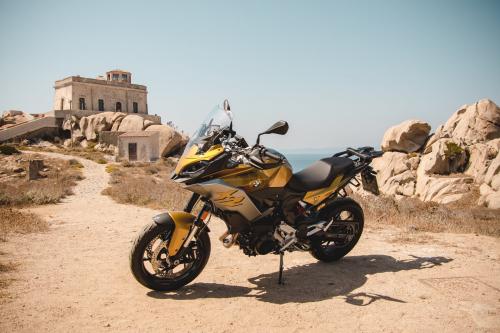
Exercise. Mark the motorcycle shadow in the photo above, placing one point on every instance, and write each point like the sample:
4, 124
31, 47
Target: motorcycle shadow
312, 282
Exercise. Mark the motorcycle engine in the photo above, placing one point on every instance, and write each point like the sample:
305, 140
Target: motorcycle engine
259, 239
265, 245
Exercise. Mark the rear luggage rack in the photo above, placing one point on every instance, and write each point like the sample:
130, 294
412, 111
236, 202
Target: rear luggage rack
364, 154
362, 158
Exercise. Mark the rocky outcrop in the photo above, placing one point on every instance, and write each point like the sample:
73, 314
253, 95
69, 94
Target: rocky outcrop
444, 157
396, 173
470, 124
408, 137
90, 126
87, 129
463, 155
14, 117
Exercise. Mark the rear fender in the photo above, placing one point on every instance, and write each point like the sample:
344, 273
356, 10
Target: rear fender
179, 224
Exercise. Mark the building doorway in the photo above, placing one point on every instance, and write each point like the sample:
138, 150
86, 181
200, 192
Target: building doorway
118, 107
132, 151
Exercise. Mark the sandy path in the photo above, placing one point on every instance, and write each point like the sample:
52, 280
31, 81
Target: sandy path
76, 278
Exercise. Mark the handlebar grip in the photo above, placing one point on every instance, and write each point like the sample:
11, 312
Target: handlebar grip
271, 155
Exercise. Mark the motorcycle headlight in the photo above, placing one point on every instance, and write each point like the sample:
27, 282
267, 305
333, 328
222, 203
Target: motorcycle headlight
194, 168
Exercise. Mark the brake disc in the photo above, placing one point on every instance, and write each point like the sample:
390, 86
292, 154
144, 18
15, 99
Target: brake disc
156, 261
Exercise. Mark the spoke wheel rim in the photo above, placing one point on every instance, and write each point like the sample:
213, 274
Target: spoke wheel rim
156, 261
339, 226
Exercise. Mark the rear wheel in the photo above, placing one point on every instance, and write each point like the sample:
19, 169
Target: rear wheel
347, 225
152, 267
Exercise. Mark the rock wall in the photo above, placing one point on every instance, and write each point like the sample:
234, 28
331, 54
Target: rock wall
463, 155
88, 128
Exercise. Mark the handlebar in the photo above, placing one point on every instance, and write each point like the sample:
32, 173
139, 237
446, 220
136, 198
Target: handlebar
267, 153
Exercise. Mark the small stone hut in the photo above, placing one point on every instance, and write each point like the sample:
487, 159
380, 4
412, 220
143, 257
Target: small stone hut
143, 146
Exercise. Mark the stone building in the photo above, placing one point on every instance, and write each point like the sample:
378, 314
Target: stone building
113, 92
139, 146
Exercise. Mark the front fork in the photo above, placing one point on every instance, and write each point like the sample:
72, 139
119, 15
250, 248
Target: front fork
198, 223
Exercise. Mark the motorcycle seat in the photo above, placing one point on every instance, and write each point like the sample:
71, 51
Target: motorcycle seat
320, 174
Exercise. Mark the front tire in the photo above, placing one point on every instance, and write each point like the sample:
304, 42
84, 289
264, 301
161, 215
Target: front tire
348, 220
149, 259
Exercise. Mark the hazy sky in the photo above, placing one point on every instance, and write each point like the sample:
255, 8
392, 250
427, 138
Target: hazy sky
340, 72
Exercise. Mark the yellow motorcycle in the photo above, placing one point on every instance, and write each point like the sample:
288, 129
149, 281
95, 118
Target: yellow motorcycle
266, 207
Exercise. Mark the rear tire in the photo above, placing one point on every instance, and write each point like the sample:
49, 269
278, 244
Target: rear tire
347, 210
199, 247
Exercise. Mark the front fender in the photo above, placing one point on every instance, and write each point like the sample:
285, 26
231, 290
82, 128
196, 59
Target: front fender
179, 224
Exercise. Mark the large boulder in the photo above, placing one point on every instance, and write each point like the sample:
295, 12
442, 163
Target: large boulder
442, 189
396, 173
444, 157
408, 137
470, 124
489, 197
131, 123
170, 140
92, 125
481, 156
493, 170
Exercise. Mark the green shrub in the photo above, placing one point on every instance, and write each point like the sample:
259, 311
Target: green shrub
90, 146
75, 164
111, 168
453, 150
8, 150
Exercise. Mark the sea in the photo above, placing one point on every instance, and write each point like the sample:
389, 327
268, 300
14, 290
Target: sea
303, 160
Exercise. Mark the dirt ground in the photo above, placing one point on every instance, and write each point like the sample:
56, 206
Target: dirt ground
75, 277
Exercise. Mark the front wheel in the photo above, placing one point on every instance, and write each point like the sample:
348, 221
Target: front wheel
344, 232
152, 267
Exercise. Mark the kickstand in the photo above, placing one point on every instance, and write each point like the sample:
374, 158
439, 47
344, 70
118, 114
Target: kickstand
280, 276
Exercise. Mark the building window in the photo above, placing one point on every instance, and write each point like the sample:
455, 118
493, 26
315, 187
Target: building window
118, 107
82, 103
101, 104
125, 77
62, 104
135, 107
116, 77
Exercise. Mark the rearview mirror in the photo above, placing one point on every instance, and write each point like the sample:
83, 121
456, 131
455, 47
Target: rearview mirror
280, 127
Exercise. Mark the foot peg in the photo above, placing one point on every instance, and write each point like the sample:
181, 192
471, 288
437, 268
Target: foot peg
228, 239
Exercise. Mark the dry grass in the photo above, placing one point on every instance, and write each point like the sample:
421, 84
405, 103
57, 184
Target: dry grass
16, 192
88, 153
414, 216
57, 182
146, 184
15, 221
